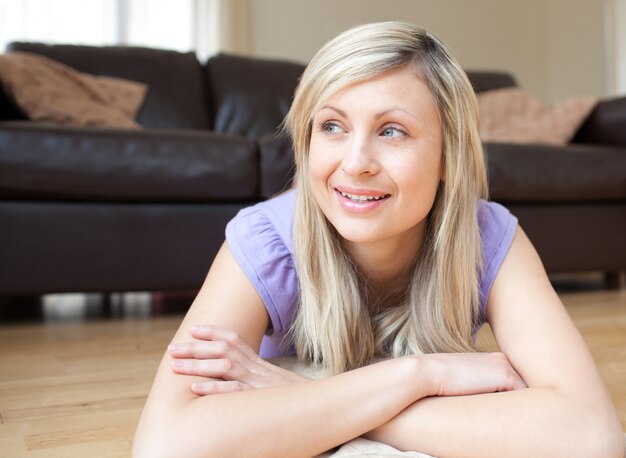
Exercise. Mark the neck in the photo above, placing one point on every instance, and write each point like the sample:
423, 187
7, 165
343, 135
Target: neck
386, 264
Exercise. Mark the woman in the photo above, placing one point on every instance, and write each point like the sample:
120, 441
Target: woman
385, 250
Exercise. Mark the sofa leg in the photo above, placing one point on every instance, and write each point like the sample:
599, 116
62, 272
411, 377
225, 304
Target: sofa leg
20, 308
106, 305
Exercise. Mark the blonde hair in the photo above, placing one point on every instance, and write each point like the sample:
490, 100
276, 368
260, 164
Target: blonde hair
334, 326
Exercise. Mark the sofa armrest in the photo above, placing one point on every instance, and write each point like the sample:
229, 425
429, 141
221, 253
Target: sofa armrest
605, 125
43, 161
8, 109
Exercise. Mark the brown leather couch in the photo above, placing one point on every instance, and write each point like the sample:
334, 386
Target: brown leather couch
102, 210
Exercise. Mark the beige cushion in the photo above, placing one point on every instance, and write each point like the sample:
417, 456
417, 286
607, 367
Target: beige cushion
511, 115
46, 90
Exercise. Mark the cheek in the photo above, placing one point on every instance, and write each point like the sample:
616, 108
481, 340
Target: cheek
417, 180
321, 164
318, 176
420, 169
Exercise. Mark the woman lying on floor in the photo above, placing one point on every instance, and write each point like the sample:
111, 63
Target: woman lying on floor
388, 251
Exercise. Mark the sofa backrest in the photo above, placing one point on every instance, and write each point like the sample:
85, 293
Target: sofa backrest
231, 94
176, 97
488, 80
249, 96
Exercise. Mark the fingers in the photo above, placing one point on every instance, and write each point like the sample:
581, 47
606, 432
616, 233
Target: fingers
213, 342
217, 387
199, 350
214, 333
207, 332
218, 354
519, 383
222, 355
225, 369
511, 379
472, 373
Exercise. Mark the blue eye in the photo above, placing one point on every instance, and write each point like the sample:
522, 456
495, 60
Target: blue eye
330, 128
392, 132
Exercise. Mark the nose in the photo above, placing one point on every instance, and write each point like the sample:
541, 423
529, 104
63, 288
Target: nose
360, 158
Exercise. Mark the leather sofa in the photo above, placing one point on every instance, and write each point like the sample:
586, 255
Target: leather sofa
104, 210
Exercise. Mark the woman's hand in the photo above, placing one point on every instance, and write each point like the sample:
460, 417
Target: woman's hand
221, 354
455, 374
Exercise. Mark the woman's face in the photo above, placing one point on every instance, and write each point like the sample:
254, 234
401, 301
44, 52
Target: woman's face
375, 158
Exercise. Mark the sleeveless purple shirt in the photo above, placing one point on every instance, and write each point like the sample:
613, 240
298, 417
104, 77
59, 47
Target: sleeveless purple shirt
259, 238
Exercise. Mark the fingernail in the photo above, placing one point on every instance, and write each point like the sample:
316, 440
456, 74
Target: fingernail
195, 328
178, 363
173, 347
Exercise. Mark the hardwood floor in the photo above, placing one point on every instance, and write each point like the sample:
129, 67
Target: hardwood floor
76, 388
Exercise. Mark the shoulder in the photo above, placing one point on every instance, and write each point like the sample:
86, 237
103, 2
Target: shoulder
274, 215
259, 237
497, 230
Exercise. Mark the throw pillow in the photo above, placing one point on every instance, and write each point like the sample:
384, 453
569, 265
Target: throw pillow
46, 90
512, 115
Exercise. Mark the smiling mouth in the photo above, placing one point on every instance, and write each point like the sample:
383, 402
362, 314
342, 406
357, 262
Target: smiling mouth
363, 198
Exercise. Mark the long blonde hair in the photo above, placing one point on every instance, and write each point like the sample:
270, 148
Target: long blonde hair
334, 326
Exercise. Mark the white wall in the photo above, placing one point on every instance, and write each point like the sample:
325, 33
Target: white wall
575, 56
553, 47
619, 45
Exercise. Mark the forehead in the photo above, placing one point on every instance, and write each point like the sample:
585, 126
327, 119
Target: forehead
403, 86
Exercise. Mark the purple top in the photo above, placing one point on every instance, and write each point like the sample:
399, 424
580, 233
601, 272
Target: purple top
259, 238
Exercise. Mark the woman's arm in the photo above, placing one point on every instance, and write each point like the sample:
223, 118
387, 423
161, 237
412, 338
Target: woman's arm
566, 410
301, 419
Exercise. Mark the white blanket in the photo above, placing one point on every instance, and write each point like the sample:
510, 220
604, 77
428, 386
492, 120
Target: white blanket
362, 447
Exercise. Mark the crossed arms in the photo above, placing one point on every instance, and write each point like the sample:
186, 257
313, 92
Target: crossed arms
542, 396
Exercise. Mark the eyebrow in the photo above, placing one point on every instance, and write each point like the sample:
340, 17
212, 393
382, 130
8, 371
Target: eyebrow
330, 107
377, 116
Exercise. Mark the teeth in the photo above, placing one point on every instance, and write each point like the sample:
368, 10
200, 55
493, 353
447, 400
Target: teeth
358, 198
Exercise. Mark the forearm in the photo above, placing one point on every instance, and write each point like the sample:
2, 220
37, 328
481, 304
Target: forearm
530, 422
302, 419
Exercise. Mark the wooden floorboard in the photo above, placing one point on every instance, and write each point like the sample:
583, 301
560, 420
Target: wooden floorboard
76, 389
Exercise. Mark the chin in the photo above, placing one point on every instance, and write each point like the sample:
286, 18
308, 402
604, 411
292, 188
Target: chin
359, 235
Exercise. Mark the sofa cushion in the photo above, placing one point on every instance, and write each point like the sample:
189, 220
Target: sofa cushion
250, 97
551, 174
48, 247
176, 96
50, 91
40, 161
513, 115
